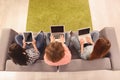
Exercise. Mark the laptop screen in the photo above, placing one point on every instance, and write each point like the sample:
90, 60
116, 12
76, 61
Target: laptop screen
84, 31
55, 29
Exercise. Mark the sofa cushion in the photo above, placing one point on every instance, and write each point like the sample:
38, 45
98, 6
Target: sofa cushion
82, 65
38, 66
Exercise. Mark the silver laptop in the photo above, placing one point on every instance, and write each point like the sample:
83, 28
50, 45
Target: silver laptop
83, 33
56, 31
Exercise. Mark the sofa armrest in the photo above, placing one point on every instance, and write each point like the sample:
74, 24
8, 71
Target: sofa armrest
7, 37
109, 32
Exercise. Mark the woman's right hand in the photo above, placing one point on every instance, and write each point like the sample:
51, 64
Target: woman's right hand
34, 45
52, 38
82, 41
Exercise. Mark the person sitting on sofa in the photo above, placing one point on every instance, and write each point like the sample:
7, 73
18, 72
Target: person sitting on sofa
39, 42
57, 53
95, 50
74, 41
23, 56
85, 50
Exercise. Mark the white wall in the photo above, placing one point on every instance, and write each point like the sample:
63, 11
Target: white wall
13, 14
106, 13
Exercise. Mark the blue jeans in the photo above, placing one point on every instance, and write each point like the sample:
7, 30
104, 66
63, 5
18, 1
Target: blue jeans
40, 41
74, 41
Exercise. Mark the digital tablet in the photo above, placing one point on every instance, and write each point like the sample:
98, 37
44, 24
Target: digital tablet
28, 37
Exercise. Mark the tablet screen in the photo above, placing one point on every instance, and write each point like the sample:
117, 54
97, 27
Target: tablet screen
28, 36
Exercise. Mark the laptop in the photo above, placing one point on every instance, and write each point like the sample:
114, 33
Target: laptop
83, 33
56, 31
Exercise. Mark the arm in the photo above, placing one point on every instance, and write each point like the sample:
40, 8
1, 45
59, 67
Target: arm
52, 38
34, 45
24, 44
62, 39
81, 45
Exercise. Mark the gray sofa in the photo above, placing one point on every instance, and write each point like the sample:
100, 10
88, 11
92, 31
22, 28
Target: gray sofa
110, 62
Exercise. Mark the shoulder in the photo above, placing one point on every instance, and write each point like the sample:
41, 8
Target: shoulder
66, 49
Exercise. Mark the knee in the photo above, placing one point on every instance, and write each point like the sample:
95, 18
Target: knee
74, 38
95, 32
40, 35
19, 36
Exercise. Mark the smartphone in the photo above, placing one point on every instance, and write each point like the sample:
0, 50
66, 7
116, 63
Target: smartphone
28, 37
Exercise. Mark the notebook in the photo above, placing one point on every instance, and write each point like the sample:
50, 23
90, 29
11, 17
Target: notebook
56, 31
83, 33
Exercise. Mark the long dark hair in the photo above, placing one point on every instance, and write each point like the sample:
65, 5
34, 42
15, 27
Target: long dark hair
17, 54
101, 48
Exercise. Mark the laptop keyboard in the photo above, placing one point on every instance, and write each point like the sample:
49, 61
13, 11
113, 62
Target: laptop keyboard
57, 35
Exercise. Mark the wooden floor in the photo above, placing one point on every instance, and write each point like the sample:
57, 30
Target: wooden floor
82, 75
13, 14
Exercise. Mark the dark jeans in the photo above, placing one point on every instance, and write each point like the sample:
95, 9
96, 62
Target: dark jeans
40, 41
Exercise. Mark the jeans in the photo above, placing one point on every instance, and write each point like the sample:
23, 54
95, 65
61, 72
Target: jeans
40, 41
74, 41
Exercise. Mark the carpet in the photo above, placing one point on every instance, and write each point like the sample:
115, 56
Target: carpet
73, 14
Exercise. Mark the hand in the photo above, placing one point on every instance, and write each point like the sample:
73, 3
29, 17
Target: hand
89, 40
82, 44
34, 45
62, 38
52, 38
23, 41
33, 42
82, 41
